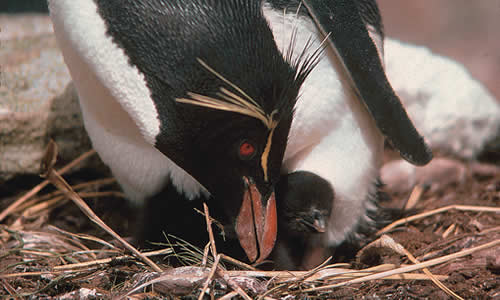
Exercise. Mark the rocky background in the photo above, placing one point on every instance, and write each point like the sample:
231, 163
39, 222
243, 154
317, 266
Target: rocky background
37, 101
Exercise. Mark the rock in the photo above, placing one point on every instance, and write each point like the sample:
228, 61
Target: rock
398, 176
401, 176
37, 101
482, 170
22, 26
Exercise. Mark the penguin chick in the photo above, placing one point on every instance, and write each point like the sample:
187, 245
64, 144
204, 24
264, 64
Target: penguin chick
304, 202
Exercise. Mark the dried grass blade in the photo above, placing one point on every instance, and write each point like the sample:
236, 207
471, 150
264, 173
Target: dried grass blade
237, 262
436, 211
210, 275
61, 184
9, 289
432, 276
105, 261
415, 196
229, 296
83, 237
41, 185
209, 230
407, 269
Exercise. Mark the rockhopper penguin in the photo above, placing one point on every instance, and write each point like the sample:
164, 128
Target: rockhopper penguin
213, 100
304, 202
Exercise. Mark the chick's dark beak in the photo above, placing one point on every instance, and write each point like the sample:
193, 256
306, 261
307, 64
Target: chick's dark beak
256, 224
315, 220
320, 225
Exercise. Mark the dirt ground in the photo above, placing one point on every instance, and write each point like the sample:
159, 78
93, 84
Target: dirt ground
472, 277
35, 240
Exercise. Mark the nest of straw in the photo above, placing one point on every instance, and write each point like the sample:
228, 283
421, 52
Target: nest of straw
41, 259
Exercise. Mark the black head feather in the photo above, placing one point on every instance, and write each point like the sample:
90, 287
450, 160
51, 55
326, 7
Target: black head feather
304, 203
303, 198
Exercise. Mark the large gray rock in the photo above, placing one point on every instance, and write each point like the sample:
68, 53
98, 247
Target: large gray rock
37, 101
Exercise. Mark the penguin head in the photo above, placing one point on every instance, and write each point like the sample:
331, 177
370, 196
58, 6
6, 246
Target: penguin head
304, 204
239, 136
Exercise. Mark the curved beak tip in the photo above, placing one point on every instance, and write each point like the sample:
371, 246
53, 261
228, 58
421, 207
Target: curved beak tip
256, 224
320, 225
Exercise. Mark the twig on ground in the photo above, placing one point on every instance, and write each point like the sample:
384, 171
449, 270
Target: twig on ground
26, 274
436, 211
489, 230
448, 230
297, 279
210, 276
41, 185
216, 268
34, 209
98, 182
237, 262
56, 179
209, 230
205, 255
233, 284
330, 273
214, 222
432, 276
386, 241
315, 270
415, 196
229, 296
83, 237
108, 260
9, 289
407, 269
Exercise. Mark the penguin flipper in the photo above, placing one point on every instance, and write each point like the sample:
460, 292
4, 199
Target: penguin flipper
347, 34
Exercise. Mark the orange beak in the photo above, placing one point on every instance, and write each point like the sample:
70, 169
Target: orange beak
256, 225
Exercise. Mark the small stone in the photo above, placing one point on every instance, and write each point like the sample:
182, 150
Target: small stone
401, 176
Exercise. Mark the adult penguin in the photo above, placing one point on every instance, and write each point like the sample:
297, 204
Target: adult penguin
212, 100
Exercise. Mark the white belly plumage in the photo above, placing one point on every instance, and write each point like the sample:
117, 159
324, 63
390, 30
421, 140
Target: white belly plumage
332, 133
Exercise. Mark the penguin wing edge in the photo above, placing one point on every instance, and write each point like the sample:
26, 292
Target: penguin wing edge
348, 35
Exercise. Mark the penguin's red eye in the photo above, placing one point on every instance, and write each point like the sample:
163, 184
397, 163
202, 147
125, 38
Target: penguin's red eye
246, 150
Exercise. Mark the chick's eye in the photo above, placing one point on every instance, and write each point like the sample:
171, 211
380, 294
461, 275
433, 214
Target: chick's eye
247, 150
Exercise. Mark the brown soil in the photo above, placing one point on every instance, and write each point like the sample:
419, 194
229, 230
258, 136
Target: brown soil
476, 276
31, 243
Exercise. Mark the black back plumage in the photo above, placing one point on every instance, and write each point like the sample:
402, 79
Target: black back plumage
164, 39
346, 22
362, 63
368, 10
370, 14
